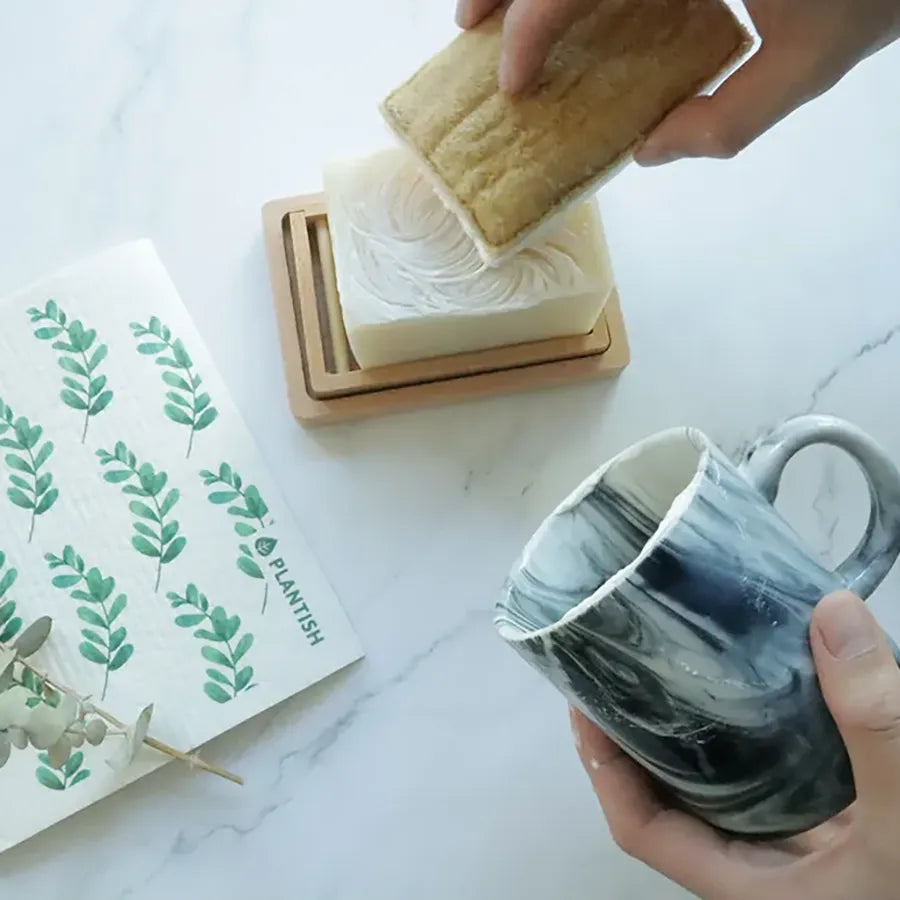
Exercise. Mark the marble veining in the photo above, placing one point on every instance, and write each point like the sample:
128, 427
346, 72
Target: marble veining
439, 785
671, 602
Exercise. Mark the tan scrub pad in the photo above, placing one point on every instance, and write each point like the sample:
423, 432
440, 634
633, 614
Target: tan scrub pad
507, 165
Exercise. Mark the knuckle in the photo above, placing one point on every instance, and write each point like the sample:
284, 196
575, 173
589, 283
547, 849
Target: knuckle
628, 840
724, 141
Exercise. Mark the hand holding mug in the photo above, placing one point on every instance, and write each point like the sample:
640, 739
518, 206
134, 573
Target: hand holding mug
852, 856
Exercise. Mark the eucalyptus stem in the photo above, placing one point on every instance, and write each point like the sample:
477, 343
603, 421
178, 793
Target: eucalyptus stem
191, 759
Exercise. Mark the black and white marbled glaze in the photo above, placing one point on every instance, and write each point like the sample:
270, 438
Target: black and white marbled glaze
670, 602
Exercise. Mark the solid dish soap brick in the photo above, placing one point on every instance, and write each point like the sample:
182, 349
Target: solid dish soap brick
507, 165
413, 286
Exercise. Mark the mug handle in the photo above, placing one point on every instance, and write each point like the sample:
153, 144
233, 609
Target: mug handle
871, 560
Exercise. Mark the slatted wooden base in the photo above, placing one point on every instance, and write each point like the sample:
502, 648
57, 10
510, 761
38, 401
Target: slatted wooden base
324, 382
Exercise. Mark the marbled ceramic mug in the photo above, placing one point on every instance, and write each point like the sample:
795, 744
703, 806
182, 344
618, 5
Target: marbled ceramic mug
669, 601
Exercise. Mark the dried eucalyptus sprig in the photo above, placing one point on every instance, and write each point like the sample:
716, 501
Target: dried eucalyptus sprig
38, 711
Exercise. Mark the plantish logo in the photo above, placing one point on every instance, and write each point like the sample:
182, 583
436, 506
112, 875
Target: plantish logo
264, 546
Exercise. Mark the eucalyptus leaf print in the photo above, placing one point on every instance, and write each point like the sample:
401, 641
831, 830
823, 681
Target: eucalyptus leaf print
10, 623
63, 777
80, 355
249, 510
222, 646
186, 405
31, 488
105, 639
156, 533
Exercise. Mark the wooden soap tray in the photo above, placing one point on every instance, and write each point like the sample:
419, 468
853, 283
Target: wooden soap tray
326, 385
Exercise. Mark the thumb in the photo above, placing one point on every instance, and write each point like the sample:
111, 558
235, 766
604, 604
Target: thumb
860, 681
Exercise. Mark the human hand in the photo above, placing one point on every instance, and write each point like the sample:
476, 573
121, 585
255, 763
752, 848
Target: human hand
852, 857
807, 47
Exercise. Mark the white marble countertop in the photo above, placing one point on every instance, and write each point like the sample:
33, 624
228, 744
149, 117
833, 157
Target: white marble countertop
441, 766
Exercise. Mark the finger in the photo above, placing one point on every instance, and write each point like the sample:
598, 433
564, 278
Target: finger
530, 29
470, 12
676, 845
764, 90
861, 684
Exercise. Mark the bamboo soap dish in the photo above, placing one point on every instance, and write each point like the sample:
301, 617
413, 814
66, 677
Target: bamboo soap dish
325, 384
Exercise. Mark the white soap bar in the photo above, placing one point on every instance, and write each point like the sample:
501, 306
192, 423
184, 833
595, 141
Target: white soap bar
412, 284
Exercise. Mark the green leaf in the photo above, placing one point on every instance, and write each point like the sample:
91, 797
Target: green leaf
216, 675
66, 581
98, 357
94, 581
201, 402
243, 678
88, 615
92, 653
8, 580
206, 635
220, 497
190, 620
76, 386
116, 639
144, 511
214, 692
97, 384
216, 656
135, 490
101, 402
116, 609
20, 482
249, 567
175, 381
6, 611
144, 529
11, 630
117, 476
181, 355
87, 339
207, 417
244, 529
72, 400
122, 657
43, 483
166, 361
32, 702
73, 764
240, 511
46, 334
46, 501
169, 532
178, 399
81, 776
52, 311
155, 326
174, 549
10, 444
19, 499
149, 349
73, 366
142, 545
94, 637
177, 415
245, 643
49, 780
225, 473
16, 462
64, 345
159, 482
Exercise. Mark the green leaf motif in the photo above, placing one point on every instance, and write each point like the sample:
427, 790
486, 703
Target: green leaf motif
249, 567
159, 540
103, 645
184, 405
82, 392
19, 499
226, 682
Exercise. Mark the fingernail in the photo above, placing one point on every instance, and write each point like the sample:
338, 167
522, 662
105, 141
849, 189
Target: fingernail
509, 77
462, 13
847, 628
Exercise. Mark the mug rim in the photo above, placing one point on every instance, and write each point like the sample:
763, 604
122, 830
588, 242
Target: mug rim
676, 511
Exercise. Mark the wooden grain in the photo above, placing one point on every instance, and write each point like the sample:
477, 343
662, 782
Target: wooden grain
320, 394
